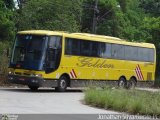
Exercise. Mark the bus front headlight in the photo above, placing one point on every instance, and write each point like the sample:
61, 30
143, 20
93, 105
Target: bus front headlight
10, 73
38, 75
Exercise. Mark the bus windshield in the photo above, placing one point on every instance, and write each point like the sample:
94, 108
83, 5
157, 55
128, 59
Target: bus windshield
29, 52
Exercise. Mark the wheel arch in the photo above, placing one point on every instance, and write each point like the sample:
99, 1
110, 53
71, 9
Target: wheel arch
122, 76
122, 82
68, 78
132, 82
133, 77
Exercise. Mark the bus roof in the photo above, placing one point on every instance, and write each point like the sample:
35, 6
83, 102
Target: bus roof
97, 36
88, 36
42, 32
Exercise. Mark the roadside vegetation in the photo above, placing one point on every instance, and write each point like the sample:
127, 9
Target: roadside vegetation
131, 101
4, 61
157, 82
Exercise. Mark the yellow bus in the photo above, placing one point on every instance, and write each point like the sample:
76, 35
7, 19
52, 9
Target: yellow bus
57, 59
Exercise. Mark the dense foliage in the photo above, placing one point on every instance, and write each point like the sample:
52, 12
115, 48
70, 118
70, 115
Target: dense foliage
46, 14
6, 20
134, 20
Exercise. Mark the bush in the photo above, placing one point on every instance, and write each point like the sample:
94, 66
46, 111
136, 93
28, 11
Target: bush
132, 101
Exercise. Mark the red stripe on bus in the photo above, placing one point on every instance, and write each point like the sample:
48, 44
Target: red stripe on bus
141, 72
71, 74
137, 73
74, 73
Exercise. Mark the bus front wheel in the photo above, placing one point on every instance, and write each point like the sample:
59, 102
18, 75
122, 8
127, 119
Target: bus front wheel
62, 84
122, 83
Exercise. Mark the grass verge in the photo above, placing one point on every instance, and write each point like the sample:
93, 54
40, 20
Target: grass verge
131, 101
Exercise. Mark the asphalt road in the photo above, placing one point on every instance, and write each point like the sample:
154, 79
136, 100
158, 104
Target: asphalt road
44, 101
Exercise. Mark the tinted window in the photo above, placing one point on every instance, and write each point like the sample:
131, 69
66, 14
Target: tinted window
131, 53
146, 54
75, 47
55, 42
85, 48
72, 46
81, 47
143, 54
139, 54
68, 46
105, 50
117, 51
95, 49
151, 55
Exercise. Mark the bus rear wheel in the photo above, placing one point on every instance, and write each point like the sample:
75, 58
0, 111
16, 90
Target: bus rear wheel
33, 88
62, 84
122, 83
132, 83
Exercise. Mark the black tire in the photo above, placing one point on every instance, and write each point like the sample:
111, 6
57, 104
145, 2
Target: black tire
62, 84
122, 83
132, 83
33, 88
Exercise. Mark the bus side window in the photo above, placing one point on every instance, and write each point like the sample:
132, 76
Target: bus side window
85, 48
151, 55
105, 50
131, 53
75, 47
72, 46
117, 51
68, 46
146, 54
95, 52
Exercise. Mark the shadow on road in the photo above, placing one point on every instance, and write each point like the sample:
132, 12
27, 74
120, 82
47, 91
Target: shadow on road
41, 90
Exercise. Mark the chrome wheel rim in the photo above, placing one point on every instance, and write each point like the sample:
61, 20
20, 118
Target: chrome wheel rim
63, 83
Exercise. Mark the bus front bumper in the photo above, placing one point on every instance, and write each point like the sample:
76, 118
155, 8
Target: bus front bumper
32, 81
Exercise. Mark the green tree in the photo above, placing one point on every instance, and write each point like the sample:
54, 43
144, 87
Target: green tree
107, 23
104, 16
9, 4
46, 14
151, 6
151, 26
6, 22
119, 18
